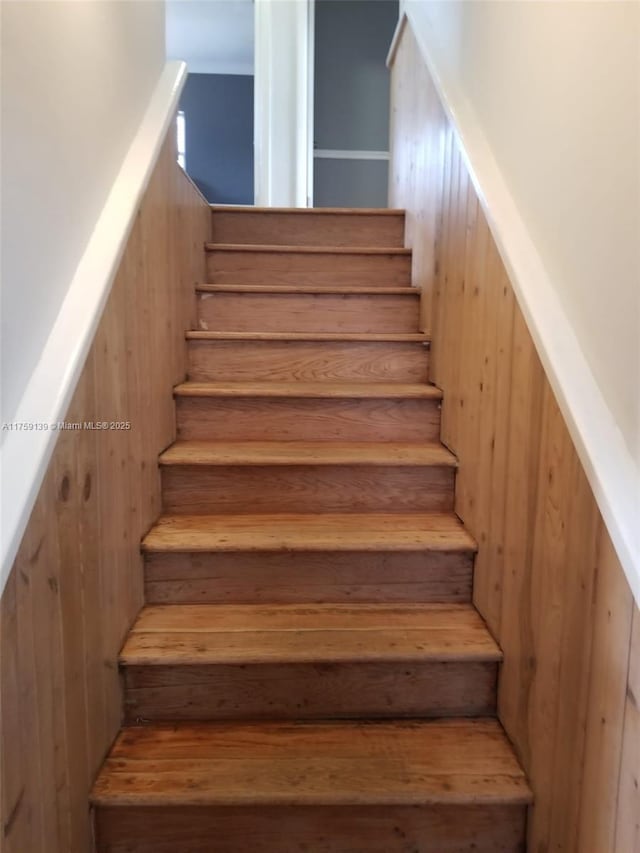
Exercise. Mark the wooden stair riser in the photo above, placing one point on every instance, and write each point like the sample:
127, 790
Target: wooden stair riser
245, 577
291, 228
310, 361
308, 268
327, 829
204, 489
310, 691
305, 312
308, 419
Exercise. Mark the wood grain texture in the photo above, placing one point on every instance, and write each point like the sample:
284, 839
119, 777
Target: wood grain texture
417, 131
398, 829
309, 312
312, 228
308, 411
309, 532
546, 579
305, 661
77, 582
336, 253
319, 290
353, 453
296, 418
252, 577
254, 359
628, 807
316, 337
251, 477
309, 390
320, 633
307, 691
433, 762
308, 487
273, 265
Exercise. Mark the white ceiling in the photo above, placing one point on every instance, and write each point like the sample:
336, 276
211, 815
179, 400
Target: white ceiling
212, 36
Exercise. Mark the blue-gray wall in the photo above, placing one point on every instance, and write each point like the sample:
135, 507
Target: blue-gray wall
218, 112
351, 99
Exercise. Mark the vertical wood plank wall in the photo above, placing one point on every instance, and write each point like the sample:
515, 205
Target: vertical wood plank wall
77, 581
547, 578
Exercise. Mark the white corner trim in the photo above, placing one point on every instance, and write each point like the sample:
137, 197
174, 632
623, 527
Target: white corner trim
25, 454
311, 94
609, 466
283, 90
337, 154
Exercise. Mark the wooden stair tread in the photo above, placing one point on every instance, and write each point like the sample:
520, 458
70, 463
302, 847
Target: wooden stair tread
348, 211
310, 532
307, 250
200, 634
321, 390
306, 453
347, 763
363, 337
340, 290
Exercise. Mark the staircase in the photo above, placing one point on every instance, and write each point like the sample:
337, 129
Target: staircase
309, 673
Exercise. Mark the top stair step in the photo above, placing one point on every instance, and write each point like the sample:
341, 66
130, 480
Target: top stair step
308, 226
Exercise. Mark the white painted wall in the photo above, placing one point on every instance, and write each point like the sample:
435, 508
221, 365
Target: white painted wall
555, 89
283, 109
77, 78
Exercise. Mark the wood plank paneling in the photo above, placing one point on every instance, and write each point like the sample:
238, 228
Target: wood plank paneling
417, 132
605, 712
547, 579
77, 581
628, 811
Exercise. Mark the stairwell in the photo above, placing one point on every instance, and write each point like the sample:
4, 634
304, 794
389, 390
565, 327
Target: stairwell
309, 672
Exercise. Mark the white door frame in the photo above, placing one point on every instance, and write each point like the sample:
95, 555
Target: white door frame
283, 103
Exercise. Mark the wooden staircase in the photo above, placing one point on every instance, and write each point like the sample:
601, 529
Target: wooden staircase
309, 673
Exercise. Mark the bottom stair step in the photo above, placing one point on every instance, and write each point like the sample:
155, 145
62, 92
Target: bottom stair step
433, 787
